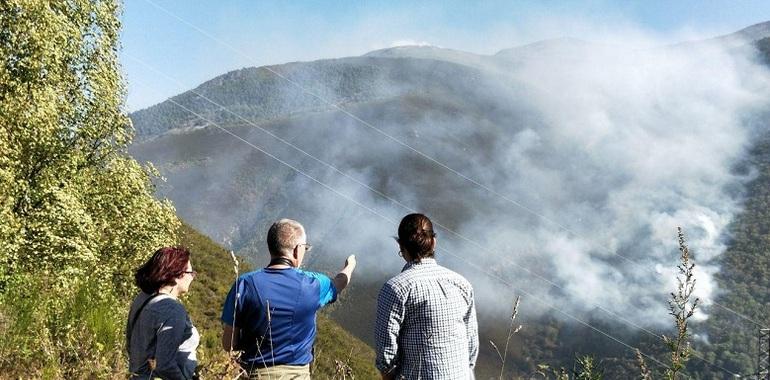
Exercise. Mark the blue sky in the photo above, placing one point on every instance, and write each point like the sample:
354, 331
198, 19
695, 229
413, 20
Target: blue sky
163, 55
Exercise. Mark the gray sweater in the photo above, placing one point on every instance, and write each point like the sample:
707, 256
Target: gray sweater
162, 331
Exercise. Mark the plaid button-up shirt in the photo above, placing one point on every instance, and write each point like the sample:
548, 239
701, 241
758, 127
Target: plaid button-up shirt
426, 324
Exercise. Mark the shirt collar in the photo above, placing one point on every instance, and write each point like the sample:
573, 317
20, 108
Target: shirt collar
426, 261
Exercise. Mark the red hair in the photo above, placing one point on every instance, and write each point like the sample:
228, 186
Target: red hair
162, 269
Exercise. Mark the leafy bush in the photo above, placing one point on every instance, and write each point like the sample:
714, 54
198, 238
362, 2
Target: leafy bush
77, 214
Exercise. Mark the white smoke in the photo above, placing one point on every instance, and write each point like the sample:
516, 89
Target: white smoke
596, 154
621, 146
409, 42
632, 144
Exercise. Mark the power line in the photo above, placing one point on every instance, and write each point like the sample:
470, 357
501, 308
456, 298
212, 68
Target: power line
454, 233
394, 223
429, 158
394, 201
451, 231
421, 154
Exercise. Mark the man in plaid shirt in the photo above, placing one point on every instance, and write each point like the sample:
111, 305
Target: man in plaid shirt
426, 319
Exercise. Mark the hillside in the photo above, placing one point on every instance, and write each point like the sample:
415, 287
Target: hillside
204, 302
258, 95
596, 155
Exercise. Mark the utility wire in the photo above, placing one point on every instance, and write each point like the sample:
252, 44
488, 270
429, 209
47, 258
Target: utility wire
420, 153
395, 224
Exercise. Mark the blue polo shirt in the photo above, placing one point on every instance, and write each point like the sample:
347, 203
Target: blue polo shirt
276, 312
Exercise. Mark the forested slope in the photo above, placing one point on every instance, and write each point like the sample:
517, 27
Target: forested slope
734, 326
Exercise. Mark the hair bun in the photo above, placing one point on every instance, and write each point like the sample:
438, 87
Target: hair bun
424, 233
415, 234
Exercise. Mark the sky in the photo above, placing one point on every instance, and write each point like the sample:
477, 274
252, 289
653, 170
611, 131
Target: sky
170, 46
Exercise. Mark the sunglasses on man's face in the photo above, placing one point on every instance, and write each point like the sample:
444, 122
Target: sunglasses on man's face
307, 246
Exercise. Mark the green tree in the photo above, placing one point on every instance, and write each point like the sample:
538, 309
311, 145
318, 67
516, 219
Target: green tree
77, 214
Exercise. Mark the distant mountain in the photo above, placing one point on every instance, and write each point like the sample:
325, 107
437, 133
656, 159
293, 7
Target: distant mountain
434, 53
454, 107
232, 192
749, 34
561, 46
258, 95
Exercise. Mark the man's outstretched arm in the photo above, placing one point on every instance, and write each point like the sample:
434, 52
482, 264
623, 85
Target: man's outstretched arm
342, 279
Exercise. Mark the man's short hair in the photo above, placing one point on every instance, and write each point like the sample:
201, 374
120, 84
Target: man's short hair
283, 236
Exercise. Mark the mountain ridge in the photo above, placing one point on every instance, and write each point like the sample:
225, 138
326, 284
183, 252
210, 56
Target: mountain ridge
268, 97
455, 113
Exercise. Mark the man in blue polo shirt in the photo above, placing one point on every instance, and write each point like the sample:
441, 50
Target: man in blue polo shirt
270, 314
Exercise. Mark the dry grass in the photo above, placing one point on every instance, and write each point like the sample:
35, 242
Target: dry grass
511, 331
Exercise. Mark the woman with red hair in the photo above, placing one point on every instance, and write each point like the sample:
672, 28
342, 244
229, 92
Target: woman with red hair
160, 337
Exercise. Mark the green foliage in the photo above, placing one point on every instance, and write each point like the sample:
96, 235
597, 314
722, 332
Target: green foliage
335, 346
74, 204
586, 368
75, 336
76, 212
744, 276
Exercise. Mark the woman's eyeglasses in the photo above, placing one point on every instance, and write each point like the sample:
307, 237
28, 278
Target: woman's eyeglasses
191, 272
